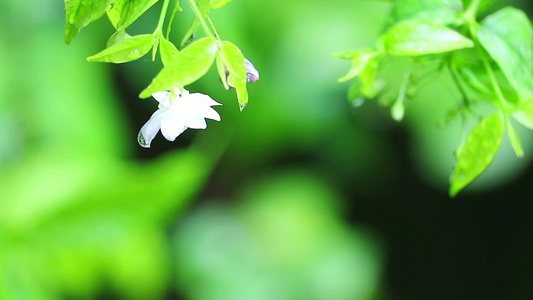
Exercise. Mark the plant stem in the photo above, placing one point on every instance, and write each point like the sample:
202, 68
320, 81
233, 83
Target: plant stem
201, 18
453, 72
470, 14
495, 85
161, 21
213, 27
493, 79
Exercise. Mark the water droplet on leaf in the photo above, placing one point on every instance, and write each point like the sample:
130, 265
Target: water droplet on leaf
242, 106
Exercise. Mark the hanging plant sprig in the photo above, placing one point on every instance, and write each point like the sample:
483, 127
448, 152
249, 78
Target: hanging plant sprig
178, 109
490, 61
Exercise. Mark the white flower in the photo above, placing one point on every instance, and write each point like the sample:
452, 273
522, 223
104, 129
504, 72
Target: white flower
177, 111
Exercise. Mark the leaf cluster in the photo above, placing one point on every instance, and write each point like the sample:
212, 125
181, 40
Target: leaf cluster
181, 66
490, 61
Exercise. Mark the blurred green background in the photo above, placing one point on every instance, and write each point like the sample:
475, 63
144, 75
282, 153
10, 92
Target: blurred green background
301, 196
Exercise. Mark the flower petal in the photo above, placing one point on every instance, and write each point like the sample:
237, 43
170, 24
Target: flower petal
161, 96
181, 92
172, 127
151, 127
201, 99
210, 113
194, 120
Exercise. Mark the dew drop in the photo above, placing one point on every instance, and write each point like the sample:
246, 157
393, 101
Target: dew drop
242, 106
142, 141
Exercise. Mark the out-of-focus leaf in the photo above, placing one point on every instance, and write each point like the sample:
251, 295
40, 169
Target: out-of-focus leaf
359, 59
79, 13
126, 50
286, 236
483, 6
189, 65
118, 36
234, 61
514, 139
477, 153
508, 38
524, 114
370, 87
443, 12
413, 38
167, 50
122, 13
88, 228
216, 4
473, 80
189, 35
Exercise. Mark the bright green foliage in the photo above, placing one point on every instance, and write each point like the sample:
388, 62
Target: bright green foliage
446, 35
359, 58
203, 6
473, 81
477, 153
216, 4
280, 236
189, 65
415, 37
443, 12
180, 68
79, 13
117, 37
122, 13
234, 61
524, 114
507, 36
168, 51
514, 139
191, 32
221, 68
126, 50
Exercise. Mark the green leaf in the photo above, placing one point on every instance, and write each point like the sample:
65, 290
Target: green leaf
477, 154
222, 72
79, 13
514, 139
117, 37
413, 38
126, 50
122, 13
234, 61
483, 6
443, 12
188, 65
177, 8
216, 4
167, 50
369, 86
359, 59
189, 35
203, 6
508, 38
524, 114
473, 81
